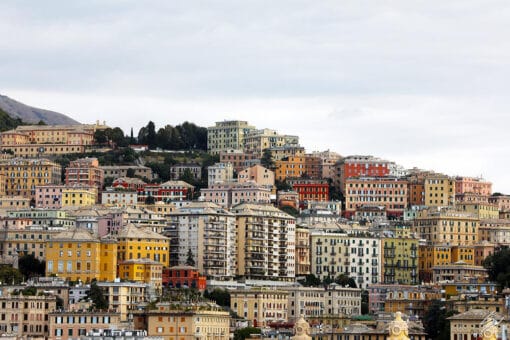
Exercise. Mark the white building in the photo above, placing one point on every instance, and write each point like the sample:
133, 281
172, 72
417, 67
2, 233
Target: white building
119, 197
220, 173
210, 233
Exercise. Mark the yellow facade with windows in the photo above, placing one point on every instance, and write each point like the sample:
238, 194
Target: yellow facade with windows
137, 242
439, 190
399, 260
79, 196
142, 270
481, 210
431, 256
78, 255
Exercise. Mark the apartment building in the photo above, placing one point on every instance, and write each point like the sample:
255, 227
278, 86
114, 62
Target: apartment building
79, 196
128, 183
142, 270
302, 256
229, 194
178, 170
447, 226
168, 191
208, 232
266, 242
49, 196
172, 321
116, 171
85, 172
26, 240
125, 297
238, 158
257, 174
23, 175
262, 307
310, 189
256, 141
227, 135
439, 190
69, 325
220, 173
306, 166
279, 153
360, 166
26, 316
78, 255
14, 202
387, 192
137, 242
474, 185
399, 260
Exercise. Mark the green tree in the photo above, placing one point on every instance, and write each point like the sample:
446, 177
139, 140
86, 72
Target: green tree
311, 281
30, 266
151, 135
10, 275
282, 185
435, 321
150, 200
96, 296
498, 267
244, 333
267, 160
290, 210
364, 302
345, 280
220, 296
189, 259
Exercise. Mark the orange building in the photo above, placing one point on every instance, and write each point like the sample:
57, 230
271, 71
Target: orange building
85, 171
298, 166
473, 185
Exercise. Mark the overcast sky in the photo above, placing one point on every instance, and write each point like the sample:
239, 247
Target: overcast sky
423, 83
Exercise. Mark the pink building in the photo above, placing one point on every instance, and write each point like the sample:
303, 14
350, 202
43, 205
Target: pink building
48, 196
503, 202
257, 174
474, 185
229, 194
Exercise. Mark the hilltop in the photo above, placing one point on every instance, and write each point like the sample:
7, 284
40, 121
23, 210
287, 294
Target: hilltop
33, 115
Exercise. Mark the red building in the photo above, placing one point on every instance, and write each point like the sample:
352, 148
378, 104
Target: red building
361, 166
183, 277
128, 183
166, 192
310, 189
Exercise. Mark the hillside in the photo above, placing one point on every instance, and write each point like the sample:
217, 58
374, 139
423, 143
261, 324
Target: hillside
29, 114
8, 123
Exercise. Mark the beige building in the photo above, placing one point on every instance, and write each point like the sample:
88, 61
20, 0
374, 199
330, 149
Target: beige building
227, 135
26, 316
174, 322
220, 173
14, 202
447, 226
495, 231
439, 190
459, 272
260, 307
256, 141
117, 171
315, 303
467, 325
125, 297
238, 158
479, 209
25, 240
23, 175
68, 325
266, 242
302, 256
233, 193
209, 232
257, 174
503, 202
280, 152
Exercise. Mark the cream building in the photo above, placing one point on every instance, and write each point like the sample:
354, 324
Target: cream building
125, 297
266, 242
227, 135
260, 307
220, 173
257, 140
209, 232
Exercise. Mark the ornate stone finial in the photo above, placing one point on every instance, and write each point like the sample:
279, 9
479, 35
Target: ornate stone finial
398, 328
489, 330
301, 329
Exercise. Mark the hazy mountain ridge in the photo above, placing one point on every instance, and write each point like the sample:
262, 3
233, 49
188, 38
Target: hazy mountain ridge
29, 114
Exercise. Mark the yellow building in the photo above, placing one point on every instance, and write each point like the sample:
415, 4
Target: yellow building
138, 242
23, 175
174, 322
303, 265
41, 140
14, 202
467, 288
142, 270
79, 196
77, 254
439, 190
463, 253
479, 209
447, 226
399, 260
260, 306
431, 256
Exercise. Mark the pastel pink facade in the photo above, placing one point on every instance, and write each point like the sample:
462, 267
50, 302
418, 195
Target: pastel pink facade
48, 196
257, 174
473, 185
229, 194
